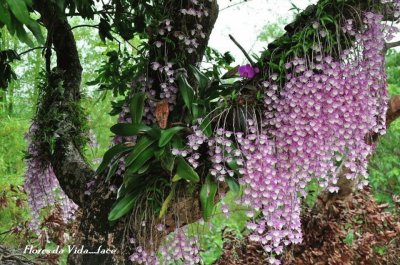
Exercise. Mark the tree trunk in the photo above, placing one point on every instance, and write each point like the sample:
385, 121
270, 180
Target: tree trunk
69, 165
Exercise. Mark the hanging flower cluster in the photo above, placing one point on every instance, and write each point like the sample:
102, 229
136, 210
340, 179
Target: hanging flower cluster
124, 117
222, 152
194, 141
178, 248
396, 7
141, 256
182, 248
320, 119
187, 37
191, 38
270, 192
168, 88
42, 186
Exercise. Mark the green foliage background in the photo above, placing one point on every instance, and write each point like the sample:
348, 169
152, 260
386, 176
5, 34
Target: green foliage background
384, 166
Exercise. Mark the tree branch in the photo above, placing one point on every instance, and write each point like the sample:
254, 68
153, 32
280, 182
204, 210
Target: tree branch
27, 51
32, 49
390, 45
97, 12
242, 49
393, 110
233, 5
84, 25
68, 163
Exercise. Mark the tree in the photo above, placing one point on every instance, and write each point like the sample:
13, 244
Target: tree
183, 133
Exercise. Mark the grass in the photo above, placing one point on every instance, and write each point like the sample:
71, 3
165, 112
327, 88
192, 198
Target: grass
12, 148
384, 166
12, 167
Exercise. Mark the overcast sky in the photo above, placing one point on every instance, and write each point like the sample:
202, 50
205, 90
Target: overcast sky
245, 21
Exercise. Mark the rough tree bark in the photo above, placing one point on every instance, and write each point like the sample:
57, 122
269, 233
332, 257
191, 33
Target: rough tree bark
68, 163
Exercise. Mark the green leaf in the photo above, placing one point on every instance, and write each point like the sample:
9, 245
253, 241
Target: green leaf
133, 183
159, 153
185, 171
127, 129
144, 169
36, 30
233, 184
154, 133
274, 66
22, 36
112, 170
168, 162
349, 238
195, 111
327, 18
5, 17
122, 207
201, 79
294, 7
207, 196
186, 92
109, 155
122, 191
178, 143
20, 10
176, 178
137, 107
141, 159
165, 204
206, 127
232, 164
166, 135
28, 2
140, 147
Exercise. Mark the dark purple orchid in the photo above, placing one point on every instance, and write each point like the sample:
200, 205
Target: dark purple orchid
247, 71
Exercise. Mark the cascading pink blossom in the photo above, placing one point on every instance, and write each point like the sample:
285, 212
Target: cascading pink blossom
42, 186
320, 120
179, 248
